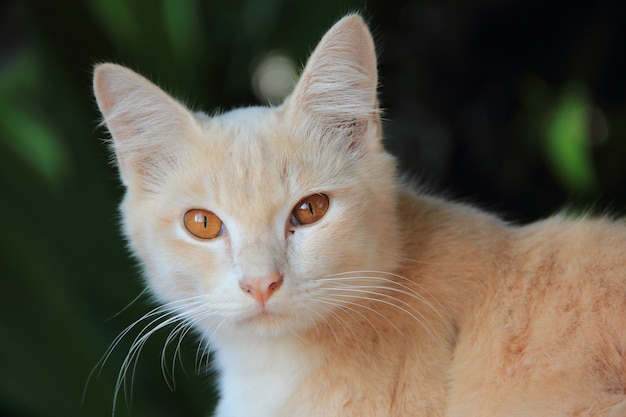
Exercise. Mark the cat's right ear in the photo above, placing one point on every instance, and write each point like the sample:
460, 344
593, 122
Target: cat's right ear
338, 86
146, 124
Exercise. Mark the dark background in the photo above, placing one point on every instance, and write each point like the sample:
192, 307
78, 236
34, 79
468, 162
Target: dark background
517, 106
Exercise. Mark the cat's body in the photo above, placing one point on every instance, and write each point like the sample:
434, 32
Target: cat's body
327, 287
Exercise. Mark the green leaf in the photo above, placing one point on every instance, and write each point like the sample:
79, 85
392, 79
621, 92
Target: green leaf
568, 140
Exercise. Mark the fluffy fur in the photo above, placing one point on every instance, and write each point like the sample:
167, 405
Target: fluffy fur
393, 303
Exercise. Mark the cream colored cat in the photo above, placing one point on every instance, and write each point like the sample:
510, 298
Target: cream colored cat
327, 287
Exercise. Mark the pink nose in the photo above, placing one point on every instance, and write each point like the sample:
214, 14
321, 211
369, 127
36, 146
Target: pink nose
262, 288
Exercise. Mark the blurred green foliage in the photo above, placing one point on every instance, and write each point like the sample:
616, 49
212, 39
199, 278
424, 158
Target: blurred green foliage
569, 140
508, 104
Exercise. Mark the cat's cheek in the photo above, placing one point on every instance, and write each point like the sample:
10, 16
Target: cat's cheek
313, 251
177, 266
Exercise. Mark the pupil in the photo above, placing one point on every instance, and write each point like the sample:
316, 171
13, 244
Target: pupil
205, 221
311, 209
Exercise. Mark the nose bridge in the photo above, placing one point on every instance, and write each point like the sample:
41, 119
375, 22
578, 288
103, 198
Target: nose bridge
259, 256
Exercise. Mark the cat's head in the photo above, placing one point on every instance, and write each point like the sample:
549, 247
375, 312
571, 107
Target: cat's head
259, 219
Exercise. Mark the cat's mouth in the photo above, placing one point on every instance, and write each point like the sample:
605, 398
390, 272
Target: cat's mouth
265, 317
264, 314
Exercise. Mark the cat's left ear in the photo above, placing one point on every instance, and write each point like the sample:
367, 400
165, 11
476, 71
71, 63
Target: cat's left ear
338, 86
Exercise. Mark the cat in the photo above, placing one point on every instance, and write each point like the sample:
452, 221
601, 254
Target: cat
325, 285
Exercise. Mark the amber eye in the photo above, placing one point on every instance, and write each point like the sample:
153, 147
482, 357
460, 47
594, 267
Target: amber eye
310, 209
203, 224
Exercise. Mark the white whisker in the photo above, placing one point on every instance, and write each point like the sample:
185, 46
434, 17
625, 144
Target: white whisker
385, 288
426, 325
331, 312
351, 308
184, 315
407, 285
345, 304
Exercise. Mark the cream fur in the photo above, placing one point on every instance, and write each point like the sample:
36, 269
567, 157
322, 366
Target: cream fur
395, 303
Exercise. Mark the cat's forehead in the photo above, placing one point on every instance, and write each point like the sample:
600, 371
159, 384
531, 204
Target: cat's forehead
252, 142
243, 118
247, 141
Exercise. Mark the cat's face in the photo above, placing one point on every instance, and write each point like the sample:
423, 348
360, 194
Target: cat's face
251, 170
260, 219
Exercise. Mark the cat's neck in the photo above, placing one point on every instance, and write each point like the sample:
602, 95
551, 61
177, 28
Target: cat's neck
453, 251
263, 370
